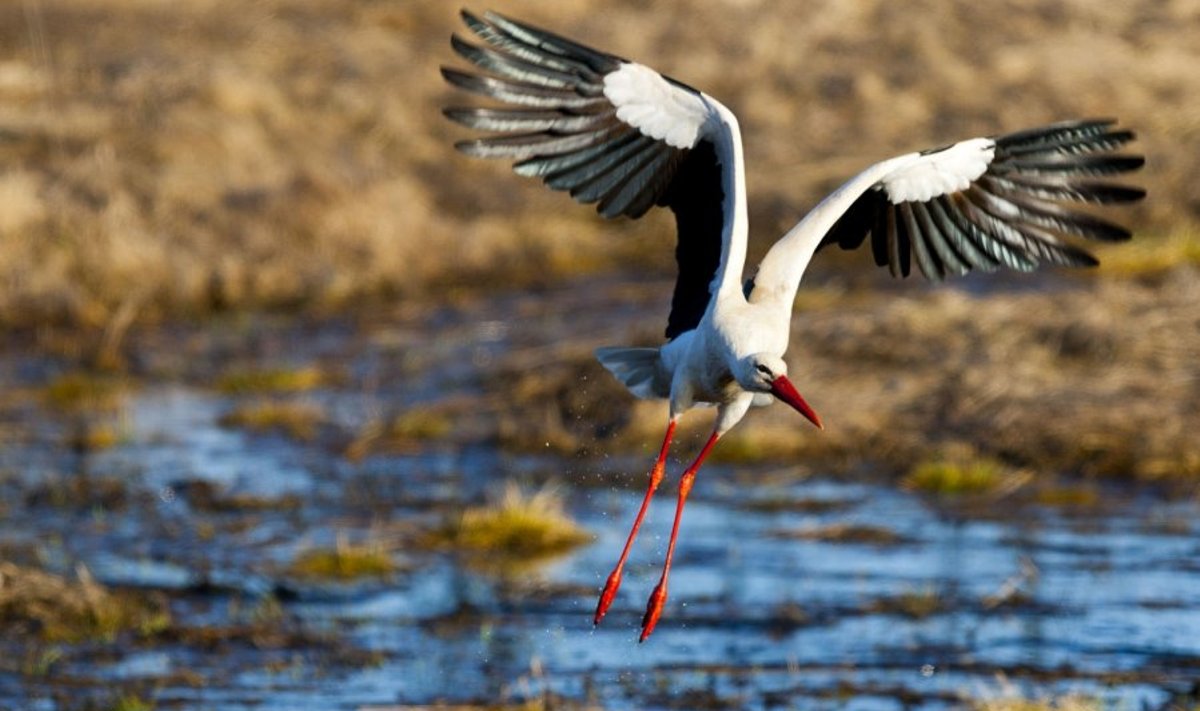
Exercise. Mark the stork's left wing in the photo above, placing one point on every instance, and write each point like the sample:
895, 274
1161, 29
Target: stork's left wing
992, 202
610, 132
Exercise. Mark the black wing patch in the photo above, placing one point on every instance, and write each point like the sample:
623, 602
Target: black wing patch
1011, 216
697, 199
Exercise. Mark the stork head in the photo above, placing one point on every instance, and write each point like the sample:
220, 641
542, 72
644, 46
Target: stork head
767, 373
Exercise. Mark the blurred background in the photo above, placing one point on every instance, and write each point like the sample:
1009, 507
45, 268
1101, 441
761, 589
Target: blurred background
299, 409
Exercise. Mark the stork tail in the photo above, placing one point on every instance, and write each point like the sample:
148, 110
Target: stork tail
637, 368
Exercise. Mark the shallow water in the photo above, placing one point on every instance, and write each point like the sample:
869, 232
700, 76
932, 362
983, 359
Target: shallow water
1027, 600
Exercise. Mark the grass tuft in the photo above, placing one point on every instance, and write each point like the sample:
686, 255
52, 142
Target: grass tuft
74, 491
420, 424
84, 391
1065, 703
402, 434
271, 380
132, 702
296, 419
957, 471
1067, 496
345, 561
847, 533
57, 609
914, 604
517, 526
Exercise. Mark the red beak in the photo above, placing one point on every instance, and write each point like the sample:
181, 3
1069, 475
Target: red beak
783, 389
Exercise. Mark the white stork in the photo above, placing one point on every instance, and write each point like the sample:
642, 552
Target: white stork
619, 134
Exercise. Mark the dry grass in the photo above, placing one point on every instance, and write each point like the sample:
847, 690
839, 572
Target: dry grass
58, 609
1094, 380
81, 490
132, 702
404, 432
84, 391
548, 703
420, 424
1098, 381
271, 380
957, 471
299, 420
916, 604
846, 533
1065, 703
517, 527
345, 561
165, 159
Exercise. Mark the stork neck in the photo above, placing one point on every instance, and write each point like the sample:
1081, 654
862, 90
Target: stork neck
779, 275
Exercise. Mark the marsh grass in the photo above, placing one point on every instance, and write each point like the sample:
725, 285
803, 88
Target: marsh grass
296, 419
206, 496
84, 391
93, 405
57, 609
97, 436
345, 561
420, 424
1064, 703
787, 439
957, 472
80, 491
803, 506
132, 702
404, 432
946, 389
1067, 496
846, 533
270, 380
543, 703
915, 604
516, 527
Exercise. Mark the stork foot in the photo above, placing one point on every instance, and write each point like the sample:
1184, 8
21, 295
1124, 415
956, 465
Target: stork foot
606, 597
654, 608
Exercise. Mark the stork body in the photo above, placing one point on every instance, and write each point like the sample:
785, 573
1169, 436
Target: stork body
621, 135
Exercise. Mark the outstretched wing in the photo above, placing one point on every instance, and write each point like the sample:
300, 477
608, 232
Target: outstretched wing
606, 130
993, 202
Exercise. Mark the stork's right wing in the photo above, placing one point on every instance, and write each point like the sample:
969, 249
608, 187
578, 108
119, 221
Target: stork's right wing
609, 132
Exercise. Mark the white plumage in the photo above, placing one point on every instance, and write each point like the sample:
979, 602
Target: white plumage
647, 102
621, 135
947, 171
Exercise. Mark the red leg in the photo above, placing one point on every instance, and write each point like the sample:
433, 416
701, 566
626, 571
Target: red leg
614, 578
659, 597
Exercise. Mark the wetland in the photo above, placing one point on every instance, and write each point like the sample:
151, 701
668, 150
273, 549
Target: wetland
382, 538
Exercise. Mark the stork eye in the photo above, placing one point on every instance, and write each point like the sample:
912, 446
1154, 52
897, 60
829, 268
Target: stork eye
763, 369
